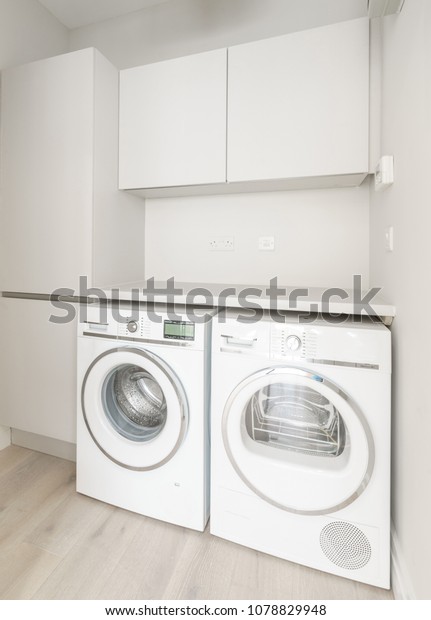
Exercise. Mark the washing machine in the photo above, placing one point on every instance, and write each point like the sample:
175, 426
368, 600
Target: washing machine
300, 419
143, 413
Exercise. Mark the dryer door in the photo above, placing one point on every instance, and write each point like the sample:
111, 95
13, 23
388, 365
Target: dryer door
135, 408
297, 441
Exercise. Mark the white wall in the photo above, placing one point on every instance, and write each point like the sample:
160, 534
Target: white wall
29, 32
327, 229
404, 274
321, 237
182, 27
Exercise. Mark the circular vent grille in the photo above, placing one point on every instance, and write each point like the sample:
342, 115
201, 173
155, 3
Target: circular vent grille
345, 545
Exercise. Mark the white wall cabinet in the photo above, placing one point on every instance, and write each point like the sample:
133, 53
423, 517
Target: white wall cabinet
298, 104
173, 122
62, 215
296, 116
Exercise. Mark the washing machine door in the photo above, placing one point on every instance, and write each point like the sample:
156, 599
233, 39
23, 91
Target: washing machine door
135, 408
297, 441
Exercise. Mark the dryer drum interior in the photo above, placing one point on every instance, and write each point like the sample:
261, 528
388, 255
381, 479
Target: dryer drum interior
295, 417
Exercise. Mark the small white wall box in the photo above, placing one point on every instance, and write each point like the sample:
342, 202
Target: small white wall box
384, 176
380, 8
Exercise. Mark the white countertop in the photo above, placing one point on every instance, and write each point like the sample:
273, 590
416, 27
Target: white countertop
302, 299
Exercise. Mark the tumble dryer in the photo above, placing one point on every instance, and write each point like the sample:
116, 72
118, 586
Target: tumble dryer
143, 427
301, 442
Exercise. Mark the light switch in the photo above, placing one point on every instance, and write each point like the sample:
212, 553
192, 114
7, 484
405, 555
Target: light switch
389, 239
266, 244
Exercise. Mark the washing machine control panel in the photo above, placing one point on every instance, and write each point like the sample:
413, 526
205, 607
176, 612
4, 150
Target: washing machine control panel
152, 326
136, 327
160, 329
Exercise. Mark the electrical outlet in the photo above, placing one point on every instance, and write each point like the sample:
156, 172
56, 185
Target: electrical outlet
222, 244
384, 176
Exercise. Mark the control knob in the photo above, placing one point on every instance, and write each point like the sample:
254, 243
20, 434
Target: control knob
132, 327
293, 343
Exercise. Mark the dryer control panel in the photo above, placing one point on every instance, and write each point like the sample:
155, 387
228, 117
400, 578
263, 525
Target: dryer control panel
291, 342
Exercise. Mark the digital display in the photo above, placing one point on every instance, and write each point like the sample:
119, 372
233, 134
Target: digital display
179, 330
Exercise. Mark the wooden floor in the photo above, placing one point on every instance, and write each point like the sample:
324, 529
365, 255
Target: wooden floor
57, 544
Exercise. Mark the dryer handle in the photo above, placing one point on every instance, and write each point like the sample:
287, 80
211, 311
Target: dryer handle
242, 342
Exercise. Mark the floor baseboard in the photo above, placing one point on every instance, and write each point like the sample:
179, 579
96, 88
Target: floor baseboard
4, 437
401, 584
47, 445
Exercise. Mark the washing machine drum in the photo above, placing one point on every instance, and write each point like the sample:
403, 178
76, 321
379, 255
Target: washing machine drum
135, 408
139, 396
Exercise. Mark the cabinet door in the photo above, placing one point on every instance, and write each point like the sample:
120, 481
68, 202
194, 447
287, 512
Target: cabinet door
173, 122
37, 369
298, 104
